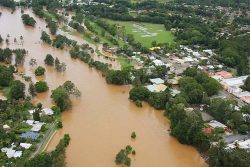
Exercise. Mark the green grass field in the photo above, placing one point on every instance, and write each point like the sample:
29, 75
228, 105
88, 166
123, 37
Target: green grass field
146, 33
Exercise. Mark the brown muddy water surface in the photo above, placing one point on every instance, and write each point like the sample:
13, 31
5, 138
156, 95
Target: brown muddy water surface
102, 119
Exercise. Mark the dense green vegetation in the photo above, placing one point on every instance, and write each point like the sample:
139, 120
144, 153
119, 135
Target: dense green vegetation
219, 156
6, 76
17, 89
28, 20
181, 129
122, 158
235, 53
61, 95
41, 86
8, 3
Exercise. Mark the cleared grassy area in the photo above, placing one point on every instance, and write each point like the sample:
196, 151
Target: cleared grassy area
146, 33
125, 63
99, 30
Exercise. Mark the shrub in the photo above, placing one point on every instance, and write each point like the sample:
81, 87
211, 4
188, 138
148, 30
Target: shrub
39, 71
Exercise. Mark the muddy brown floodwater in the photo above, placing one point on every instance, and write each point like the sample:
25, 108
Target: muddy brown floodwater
102, 119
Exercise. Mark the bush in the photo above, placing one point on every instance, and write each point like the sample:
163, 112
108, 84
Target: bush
41, 86
39, 71
138, 103
133, 135
59, 124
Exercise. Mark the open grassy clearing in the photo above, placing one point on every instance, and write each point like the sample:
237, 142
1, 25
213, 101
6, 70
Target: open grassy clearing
146, 33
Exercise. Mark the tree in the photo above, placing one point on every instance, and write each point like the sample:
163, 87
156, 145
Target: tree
61, 98
49, 60
40, 160
219, 156
39, 71
30, 21
41, 86
32, 89
139, 93
45, 37
247, 84
158, 100
36, 115
6, 76
60, 67
133, 135
17, 89
118, 77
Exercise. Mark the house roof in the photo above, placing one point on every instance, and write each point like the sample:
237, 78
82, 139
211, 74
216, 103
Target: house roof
158, 62
32, 135
156, 88
25, 145
157, 81
224, 74
207, 130
48, 111
234, 81
216, 124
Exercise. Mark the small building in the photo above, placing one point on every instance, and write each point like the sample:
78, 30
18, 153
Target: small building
224, 74
25, 145
157, 81
239, 81
215, 124
207, 130
246, 99
48, 111
156, 88
37, 126
158, 62
5, 127
31, 135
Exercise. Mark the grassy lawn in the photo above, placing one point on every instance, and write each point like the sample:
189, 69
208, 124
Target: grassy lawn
146, 33
124, 62
103, 39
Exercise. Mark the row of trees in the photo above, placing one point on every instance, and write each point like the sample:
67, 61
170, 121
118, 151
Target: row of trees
6, 55
157, 100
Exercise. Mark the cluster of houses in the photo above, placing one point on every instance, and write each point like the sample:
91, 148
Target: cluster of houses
243, 144
15, 151
233, 85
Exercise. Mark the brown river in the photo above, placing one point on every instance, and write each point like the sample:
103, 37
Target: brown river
102, 119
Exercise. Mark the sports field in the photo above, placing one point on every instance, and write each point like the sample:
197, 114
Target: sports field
146, 33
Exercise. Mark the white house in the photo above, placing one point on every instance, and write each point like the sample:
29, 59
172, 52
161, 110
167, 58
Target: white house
157, 81
216, 124
158, 62
48, 111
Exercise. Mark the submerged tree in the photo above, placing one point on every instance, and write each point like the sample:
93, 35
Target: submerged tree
49, 60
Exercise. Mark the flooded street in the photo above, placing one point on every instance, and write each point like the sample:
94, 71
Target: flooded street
102, 119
